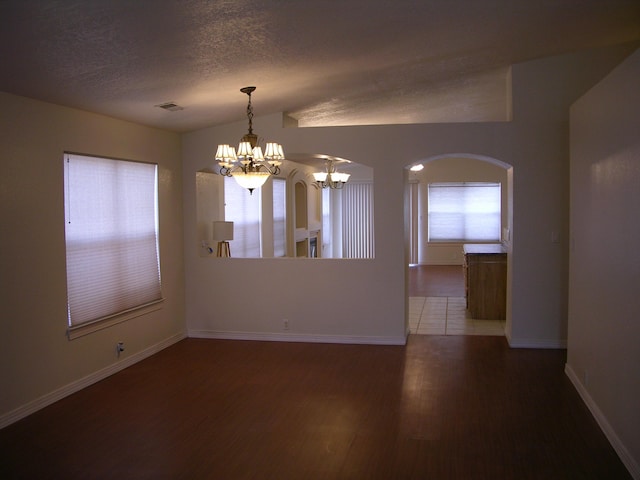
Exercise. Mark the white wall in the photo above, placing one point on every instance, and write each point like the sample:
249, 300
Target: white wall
315, 295
604, 305
365, 300
38, 364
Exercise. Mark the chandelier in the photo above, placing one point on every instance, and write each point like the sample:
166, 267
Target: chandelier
330, 178
249, 166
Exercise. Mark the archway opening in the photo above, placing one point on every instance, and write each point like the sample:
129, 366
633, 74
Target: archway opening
442, 193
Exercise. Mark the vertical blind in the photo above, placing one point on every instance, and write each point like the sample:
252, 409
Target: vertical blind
464, 212
357, 220
327, 230
279, 218
243, 209
111, 229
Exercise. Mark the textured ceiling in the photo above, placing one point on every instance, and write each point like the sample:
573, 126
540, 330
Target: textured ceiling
349, 62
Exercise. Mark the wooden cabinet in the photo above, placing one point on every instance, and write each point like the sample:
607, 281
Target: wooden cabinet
485, 278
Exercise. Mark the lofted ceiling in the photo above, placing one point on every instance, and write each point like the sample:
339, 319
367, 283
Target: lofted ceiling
324, 63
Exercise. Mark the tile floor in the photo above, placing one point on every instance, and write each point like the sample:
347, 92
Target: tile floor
447, 316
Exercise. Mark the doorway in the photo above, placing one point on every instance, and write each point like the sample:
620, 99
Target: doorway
437, 304
436, 284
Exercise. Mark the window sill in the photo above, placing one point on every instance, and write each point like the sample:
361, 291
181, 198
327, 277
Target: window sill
91, 327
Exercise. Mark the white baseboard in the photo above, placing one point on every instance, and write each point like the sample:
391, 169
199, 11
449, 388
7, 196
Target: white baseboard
626, 458
300, 338
73, 387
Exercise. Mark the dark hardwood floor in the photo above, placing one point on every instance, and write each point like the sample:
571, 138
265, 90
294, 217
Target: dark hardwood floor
436, 281
438, 408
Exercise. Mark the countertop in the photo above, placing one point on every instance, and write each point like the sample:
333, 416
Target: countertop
484, 248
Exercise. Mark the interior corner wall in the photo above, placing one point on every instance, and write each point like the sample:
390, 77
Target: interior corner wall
38, 364
603, 357
543, 91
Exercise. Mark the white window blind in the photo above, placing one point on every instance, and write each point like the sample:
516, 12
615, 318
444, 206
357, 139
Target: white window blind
327, 230
111, 228
357, 220
464, 212
243, 209
279, 218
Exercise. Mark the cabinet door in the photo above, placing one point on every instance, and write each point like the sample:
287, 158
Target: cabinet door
487, 280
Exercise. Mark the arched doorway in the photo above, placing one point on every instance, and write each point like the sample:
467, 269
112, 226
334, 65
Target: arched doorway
445, 312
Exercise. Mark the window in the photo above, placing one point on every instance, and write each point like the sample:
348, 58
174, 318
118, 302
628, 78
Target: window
327, 230
464, 212
347, 221
111, 234
279, 218
243, 209
357, 220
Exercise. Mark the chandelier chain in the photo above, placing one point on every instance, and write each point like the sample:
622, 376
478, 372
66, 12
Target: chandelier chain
250, 114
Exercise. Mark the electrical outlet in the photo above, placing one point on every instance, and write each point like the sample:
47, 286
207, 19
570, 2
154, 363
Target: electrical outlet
285, 324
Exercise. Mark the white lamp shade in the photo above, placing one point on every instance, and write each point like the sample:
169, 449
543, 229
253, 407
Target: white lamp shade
340, 177
274, 151
257, 154
244, 150
320, 176
223, 231
225, 153
271, 150
220, 152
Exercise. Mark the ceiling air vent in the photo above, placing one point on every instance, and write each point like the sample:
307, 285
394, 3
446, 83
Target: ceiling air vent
171, 106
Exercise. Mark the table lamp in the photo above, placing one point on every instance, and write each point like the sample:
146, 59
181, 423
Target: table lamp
223, 232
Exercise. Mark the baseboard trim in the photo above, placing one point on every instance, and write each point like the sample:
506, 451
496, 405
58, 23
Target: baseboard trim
73, 387
299, 338
626, 458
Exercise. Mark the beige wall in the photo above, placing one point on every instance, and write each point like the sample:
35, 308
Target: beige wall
37, 361
604, 306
